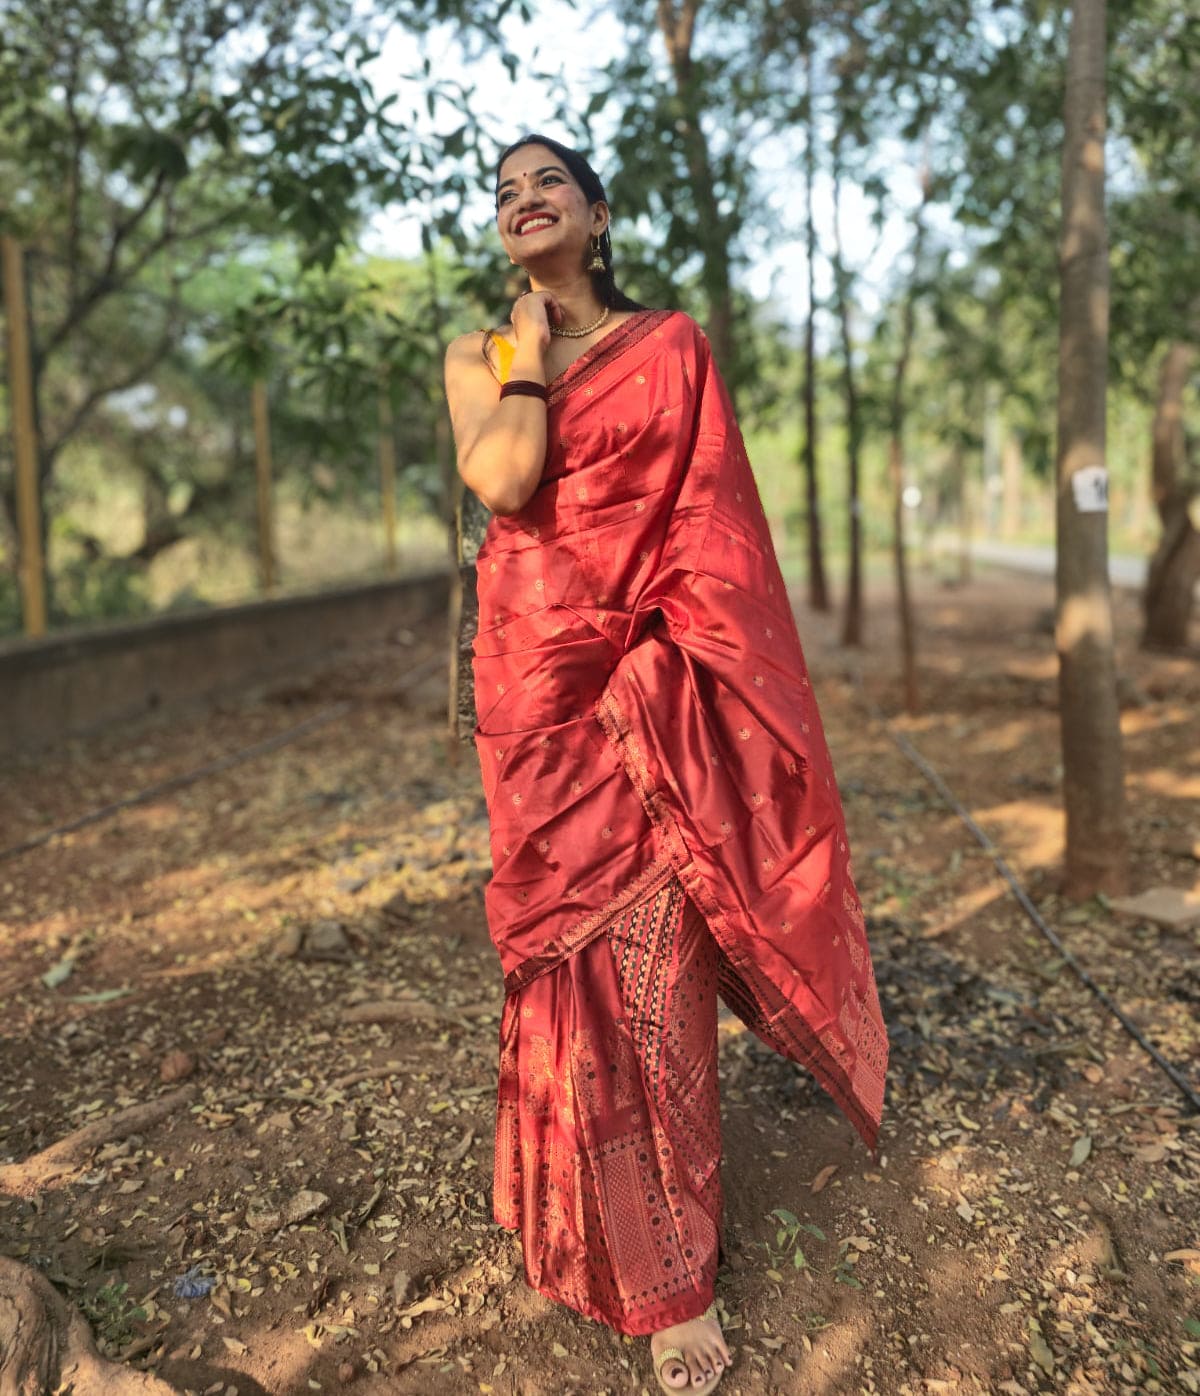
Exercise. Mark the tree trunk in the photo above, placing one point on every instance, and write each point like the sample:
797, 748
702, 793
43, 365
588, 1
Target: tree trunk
472, 521
46, 1346
1093, 785
899, 407
818, 589
26, 503
1011, 471
908, 644
962, 497
1175, 566
852, 621
677, 24
443, 446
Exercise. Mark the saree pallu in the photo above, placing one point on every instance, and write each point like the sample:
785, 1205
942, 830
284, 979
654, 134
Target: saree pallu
646, 720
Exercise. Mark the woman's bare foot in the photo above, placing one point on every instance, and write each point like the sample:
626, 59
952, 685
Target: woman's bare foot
704, 1351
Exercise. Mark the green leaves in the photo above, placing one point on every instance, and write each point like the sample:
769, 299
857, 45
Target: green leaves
145, 154
787, 1236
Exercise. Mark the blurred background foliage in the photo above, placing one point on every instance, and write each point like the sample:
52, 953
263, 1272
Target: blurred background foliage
199, 188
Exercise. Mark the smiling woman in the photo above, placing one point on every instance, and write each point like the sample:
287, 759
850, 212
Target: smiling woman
552, 216
663, 811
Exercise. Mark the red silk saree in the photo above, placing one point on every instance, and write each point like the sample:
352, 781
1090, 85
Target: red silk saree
665, 823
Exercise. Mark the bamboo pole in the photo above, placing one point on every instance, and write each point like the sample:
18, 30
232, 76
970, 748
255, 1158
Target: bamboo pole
387, 475
262, 465
31, 571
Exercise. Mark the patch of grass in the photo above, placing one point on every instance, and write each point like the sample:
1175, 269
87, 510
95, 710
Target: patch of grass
111, 1315
843, 1273
787, 1249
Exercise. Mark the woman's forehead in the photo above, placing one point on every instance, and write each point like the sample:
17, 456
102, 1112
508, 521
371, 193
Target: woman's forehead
528, 159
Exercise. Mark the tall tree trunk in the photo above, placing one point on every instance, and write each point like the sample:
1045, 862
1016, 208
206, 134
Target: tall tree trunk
442, 444
677, 24
899, 407
1175, 566
472, 518
1090, 719
962, 495
852, 621
818, 589
1011, 472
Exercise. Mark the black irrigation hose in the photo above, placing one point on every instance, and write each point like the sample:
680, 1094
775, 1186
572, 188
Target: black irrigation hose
209, 768
1022, 896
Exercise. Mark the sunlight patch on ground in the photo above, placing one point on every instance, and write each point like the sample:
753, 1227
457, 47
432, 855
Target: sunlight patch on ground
1040, 669
1005, 736
1031, 833
1169, 781
950, 916
163, 814
1137, 720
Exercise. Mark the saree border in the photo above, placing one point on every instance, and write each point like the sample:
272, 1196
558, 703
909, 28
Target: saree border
583, 369
765, 1010
594, 924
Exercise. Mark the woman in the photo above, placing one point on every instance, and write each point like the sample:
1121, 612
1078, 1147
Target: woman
664, 817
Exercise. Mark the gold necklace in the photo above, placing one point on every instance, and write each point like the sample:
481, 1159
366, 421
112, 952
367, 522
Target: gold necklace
581, 330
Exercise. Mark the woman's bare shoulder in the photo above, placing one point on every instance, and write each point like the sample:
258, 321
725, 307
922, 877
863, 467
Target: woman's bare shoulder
476, 348
466, 347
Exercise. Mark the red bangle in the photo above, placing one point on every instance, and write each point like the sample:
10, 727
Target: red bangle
524, 387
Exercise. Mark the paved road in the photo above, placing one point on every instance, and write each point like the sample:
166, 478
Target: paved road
1124, 571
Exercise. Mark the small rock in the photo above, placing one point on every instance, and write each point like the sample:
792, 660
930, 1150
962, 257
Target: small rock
304, 1204
398, 908
262, 1215
1174, 908
176, 1066
268, 1214
326, 940
346, 1372
287, 945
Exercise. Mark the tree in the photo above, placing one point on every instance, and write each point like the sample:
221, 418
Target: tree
818, 588
1093, 786
897, 410
697, 111
852, 615
1175, 566
1156, 223
141, 143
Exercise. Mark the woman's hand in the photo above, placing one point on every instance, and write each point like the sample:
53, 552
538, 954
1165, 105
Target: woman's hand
532, 315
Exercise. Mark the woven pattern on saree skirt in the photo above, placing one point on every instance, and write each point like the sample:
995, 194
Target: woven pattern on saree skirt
608, 1142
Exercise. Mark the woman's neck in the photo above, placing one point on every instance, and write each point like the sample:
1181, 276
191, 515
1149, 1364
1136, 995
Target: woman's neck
574, 292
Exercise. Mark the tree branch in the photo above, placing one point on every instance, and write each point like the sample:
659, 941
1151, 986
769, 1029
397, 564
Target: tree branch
134, 376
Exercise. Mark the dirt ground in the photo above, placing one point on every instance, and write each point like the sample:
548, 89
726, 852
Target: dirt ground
313, 1210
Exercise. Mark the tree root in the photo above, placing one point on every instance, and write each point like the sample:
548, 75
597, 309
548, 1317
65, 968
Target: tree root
70, 1153
45, 1345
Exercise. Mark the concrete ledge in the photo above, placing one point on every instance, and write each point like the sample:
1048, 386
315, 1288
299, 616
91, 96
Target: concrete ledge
79, 680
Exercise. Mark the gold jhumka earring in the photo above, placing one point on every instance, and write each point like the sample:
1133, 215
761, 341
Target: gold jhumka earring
597, 262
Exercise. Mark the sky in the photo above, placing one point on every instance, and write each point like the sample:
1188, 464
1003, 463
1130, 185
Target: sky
571, 44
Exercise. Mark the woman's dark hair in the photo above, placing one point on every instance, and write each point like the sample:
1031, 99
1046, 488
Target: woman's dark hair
593, 191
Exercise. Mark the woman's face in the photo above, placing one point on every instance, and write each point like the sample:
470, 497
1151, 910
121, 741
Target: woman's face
540, 209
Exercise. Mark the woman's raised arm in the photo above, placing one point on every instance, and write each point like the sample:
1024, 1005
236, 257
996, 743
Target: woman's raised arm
501, 444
